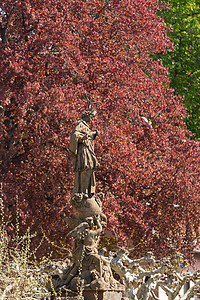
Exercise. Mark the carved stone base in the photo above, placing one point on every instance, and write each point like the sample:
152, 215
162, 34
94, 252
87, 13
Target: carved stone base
91, 295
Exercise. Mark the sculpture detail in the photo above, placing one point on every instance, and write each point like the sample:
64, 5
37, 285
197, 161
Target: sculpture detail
82, 150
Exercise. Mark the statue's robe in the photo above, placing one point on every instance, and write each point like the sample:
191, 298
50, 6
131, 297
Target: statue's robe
84, 160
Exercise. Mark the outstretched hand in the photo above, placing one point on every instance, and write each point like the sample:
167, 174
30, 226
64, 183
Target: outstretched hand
97, 133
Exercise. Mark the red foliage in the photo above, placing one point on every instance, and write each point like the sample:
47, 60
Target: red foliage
54, 56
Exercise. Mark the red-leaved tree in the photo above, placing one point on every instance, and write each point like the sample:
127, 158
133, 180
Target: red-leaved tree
56, 56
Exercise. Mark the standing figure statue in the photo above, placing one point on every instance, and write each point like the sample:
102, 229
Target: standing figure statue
88, 269
82, 150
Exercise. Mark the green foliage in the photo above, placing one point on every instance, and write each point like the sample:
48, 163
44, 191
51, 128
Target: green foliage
184, 61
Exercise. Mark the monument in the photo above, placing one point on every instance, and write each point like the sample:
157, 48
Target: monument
89, 271
89, 274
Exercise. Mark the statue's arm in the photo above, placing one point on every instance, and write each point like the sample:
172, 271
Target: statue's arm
95, 134
76, 138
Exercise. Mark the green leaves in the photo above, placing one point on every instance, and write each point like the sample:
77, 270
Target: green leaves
183, 62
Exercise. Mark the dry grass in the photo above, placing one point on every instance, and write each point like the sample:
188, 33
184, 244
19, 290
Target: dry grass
21, 276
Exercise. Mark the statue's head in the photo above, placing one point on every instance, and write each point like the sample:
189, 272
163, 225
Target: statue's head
89, 114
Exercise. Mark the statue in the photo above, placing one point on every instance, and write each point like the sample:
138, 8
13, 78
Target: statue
85, 249
82, 150
88, 268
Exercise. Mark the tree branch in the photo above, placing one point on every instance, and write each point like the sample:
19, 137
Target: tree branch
3, 29
3, 33
191, 292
